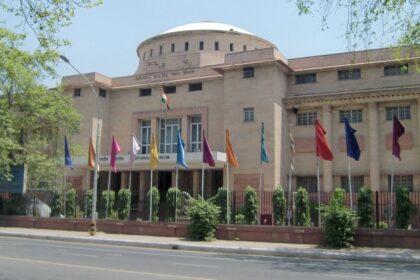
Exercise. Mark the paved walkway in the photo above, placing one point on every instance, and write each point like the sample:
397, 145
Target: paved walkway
221, 246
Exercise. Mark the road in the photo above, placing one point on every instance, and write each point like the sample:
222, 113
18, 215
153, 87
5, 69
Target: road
42, 259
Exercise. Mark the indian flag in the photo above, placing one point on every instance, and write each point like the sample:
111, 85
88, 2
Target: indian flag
164, 99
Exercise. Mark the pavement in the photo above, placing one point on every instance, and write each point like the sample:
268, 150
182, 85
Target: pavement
386, 255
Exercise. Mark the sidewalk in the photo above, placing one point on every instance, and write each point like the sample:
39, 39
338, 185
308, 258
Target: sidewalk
222, 246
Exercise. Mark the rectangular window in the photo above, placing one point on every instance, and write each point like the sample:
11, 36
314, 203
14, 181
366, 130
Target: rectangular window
305, 78
102, 92
249, 114
195, 87
306, 118
169, 89
307, 182
349, 74
402, 113
201, 45
248, 72
401, 181
160, 49
169, 135
231, 47
145, 92
195, 134
354, 116
146, 128
356, 183
77, 92
244, 48
172, 47
151, 52
186, 46
396, 69
216, 46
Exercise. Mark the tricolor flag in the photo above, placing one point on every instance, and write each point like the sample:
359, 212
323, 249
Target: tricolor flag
164, 98
115, 149
67, 158
92, 155
231, 157
135, 149
154, 156
207, 154
397, 131
322, 149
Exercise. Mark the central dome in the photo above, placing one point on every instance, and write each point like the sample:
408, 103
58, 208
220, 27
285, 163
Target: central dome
206, 25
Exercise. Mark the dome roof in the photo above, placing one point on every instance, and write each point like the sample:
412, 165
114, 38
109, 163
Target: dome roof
206, 25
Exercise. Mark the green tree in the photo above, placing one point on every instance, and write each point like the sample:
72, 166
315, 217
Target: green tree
204, 218
155, 204
56, 203
303, 217
123, 204
251, 205
365, 207
279, 205
403, 208
71, 203
174, 202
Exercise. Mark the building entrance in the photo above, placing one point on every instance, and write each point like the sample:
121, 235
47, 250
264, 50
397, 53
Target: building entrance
164, 183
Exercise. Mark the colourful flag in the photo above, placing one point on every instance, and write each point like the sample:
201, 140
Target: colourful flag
207, 154
67, 157
115, 149
154, 156
264, 156
135, 149
180, 154
322, 149
164, 99
353, 149
397, 131
92, 155
231, 158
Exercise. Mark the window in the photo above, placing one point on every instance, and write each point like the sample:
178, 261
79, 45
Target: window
306, 118
249, 114
172, 47
169, 135
146, 128
195, 87
169, 89
248, 72
216, 46
151, 52
160, 49
144, 55
195, 134
402, 113
231, 47
354, 116
201, 45
145, 92
401, 181
305, 78
310, 183
395, 69
186, 46
244, 48
77, 92
356, 183
349, 74
102, 92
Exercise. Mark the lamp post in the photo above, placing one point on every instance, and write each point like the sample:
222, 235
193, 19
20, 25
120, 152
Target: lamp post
95, 172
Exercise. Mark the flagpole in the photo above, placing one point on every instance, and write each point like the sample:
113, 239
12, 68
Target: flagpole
65, 180
260, 209
129, 181
107, 196
151, 194
227, 194
202, 181
319, 192
176, 192
392, 190
289, 194
350, 187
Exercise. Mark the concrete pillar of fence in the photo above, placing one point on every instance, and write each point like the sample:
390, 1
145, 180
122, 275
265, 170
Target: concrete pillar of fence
374, 163
327, 182
196, 182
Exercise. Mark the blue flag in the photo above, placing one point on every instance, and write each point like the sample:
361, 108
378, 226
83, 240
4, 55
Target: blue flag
353, 149
67, 157
180, 154
264, 156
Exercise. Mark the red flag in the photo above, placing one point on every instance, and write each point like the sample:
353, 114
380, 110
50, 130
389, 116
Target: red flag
322, 149
397, 131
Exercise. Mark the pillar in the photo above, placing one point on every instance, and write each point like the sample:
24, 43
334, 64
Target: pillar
327, 182
374, 163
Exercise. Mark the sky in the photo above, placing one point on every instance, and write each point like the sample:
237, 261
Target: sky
104, 39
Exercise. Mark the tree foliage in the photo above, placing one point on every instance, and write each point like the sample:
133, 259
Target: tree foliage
251, 205
303, 217
365, 207
279, 206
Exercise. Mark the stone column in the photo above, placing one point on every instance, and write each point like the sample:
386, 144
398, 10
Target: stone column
374, 164
327, 182
196, 181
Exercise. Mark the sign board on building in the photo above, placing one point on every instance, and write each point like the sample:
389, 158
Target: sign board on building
18, 182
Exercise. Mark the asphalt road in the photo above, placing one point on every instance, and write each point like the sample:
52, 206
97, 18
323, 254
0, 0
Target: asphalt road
38, 259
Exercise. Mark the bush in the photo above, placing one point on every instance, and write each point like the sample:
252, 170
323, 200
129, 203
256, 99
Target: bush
240, 219
204, 218
403, 208
71, 203
303, 217
279, 205
338, 197
220, 200
250, 205
102, 204
365, 207
123, 204
89, 201
155, 204
173, 201
56, 203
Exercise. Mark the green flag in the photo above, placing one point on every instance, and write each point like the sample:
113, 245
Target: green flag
264, 155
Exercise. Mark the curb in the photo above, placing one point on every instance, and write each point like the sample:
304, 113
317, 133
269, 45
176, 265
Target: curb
279, 252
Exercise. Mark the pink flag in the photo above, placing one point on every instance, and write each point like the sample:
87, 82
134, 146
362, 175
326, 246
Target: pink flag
207, 153
115, 149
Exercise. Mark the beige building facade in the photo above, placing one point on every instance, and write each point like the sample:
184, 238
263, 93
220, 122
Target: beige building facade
221, 77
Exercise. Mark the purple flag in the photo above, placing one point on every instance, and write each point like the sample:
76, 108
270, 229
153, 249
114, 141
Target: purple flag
397, 131
115, 149
207, 156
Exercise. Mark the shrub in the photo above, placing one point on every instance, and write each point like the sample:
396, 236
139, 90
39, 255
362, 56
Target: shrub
56, 203
279, 205
155, 204
303, 217
123, 204
365, 207
173, 201
338, 197
239, 219
403, 208
382, 225
204, 217
103, 202
89, 201
220, 200
250, 205
71, 203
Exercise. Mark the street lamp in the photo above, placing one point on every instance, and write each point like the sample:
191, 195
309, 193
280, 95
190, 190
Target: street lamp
95, 172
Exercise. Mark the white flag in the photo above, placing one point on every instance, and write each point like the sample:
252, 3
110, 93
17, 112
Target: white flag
135, 149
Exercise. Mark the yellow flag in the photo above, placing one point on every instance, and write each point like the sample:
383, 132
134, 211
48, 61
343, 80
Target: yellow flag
154, 157
231, 158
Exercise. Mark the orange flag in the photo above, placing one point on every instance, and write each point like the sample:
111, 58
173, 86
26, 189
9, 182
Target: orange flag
92, 155
231, 158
